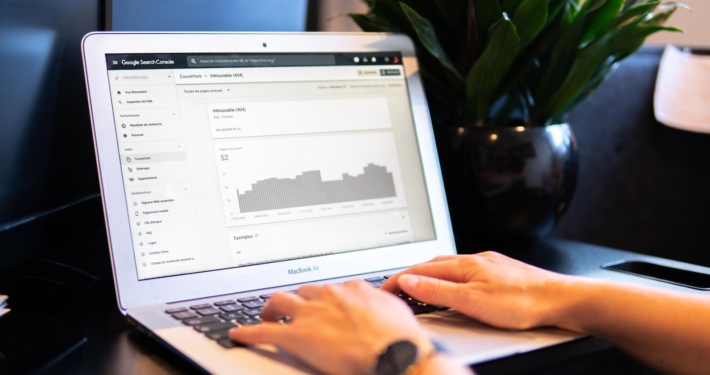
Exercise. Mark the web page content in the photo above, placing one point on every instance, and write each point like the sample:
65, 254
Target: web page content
232, 167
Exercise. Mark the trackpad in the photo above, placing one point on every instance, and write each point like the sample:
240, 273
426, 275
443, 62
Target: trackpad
471, 341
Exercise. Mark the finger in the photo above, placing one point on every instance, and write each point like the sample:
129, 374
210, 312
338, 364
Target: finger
263, 333
431, 290
357, 284
282, 304
450, 270
309, 291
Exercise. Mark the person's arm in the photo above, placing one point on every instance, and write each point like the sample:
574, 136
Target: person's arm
666, 330
342, 329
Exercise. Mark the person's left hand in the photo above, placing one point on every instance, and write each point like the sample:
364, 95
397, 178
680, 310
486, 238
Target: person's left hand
335, 328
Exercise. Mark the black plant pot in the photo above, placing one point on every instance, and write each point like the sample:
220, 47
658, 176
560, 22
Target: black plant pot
506, 186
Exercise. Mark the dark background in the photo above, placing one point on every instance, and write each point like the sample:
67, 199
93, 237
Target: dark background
46, 147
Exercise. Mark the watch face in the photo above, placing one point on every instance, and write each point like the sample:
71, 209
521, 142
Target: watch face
397, 358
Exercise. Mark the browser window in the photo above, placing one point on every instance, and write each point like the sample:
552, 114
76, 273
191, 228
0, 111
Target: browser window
233, 160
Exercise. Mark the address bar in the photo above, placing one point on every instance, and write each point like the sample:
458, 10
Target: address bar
287, 74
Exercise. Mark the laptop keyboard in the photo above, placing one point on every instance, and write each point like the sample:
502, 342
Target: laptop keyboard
215, 320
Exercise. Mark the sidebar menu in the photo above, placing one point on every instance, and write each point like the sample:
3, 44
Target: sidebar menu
155, 172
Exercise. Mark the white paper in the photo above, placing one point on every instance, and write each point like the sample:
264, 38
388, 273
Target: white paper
682, 96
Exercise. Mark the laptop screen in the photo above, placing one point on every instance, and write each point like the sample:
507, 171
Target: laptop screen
233, 160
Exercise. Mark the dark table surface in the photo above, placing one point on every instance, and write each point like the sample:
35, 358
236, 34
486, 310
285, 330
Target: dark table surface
82, 331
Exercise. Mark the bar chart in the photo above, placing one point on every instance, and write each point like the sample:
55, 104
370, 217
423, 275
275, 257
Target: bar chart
271, 180
309, 189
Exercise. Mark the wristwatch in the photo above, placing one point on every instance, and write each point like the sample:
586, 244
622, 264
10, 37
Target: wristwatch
404, 357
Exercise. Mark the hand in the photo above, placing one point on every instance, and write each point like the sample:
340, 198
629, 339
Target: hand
335, 328
490, 287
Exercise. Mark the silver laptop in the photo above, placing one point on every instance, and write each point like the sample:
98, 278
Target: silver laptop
234, 166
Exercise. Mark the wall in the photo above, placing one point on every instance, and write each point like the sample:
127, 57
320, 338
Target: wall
695, 25
332, 15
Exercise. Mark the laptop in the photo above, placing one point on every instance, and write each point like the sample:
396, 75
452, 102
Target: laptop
233, 166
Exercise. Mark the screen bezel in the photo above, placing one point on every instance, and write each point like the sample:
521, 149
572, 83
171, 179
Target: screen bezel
130, 291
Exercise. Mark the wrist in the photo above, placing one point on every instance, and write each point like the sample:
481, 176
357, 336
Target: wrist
441, 363
405, 356
573, 297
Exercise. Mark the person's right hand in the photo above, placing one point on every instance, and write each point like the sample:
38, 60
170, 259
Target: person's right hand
490, 287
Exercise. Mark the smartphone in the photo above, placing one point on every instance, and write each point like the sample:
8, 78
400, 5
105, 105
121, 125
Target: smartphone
690, 279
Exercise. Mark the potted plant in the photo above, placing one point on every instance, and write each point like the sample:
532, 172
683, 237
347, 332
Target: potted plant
501, 76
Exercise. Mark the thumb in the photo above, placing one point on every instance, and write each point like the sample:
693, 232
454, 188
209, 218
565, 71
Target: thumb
431, 290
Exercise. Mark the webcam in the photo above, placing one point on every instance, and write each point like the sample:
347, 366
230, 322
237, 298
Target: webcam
264, 44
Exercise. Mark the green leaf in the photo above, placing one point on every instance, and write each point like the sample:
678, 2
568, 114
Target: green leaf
630, 38
564, 52
634, 12
598, 77
592, 5
587, 61
629, 4
510, 6
674, 4
661, 17
489, 70
529, 57
453, 13
665, 11
529, 19
601, 17
487, 12
389, 11
617, 47
427, 36
368, 23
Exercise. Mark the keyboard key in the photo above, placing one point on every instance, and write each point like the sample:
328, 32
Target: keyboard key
248, 321
227, 302
404, 296
202, 306
218, 335
387, 276
175, 310
421, 309
208, 311
221, 326
201, 321
184, 315
374, 279
247, 299
252, 312
253, 304
231, 308
230, 316
266, 296
229, 344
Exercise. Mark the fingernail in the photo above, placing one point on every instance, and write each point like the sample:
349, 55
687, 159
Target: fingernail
409, 281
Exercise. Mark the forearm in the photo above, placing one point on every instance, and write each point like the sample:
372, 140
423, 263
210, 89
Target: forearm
668, 331
441, 364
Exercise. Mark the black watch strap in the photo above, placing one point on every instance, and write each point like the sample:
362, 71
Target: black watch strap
401, 356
